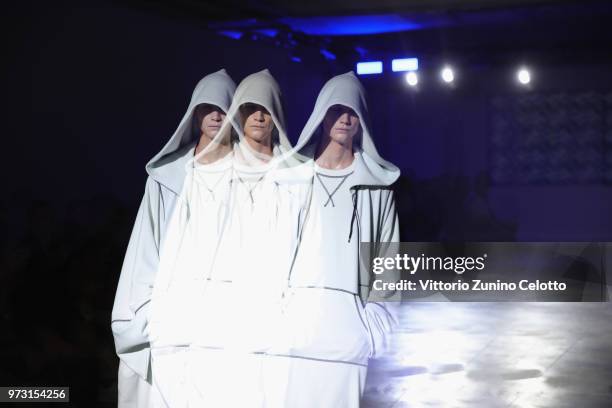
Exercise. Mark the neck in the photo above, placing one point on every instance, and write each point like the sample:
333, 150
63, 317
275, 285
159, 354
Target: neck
264, 147
221, 149
333, 155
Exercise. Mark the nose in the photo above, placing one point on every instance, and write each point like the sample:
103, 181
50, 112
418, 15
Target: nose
259, 115
345, 118
216, 116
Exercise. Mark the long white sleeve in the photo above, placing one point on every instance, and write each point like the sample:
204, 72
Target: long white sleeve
130, 309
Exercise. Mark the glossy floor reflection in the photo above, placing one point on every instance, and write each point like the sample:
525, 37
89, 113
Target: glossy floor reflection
496, 355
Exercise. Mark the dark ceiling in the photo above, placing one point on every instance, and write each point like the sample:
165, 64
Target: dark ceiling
219, 10
474, 30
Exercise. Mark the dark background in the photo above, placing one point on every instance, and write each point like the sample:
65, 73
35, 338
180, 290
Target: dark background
92, 91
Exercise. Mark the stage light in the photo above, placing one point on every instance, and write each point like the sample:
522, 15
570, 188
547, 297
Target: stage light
361, 51
404, 64
447, 74
351, 25
330, 56
523, 76
234, 35
412, 78
268, 32
370, 67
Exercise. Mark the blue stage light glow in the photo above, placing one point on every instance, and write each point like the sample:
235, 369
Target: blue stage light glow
296, 59
361, 51
235, 35
370, 67
405, 64
328, 55
351, 25
268, 32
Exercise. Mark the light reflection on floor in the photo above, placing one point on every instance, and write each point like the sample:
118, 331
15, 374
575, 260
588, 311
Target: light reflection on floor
496, 355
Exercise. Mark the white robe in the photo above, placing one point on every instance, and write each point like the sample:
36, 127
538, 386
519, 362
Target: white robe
131, 309
333, 322
188, 254
231, 313
135, 288
216, 309
329, 334
191, 316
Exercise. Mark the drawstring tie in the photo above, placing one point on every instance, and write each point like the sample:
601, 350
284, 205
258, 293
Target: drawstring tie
355, 216
331, 195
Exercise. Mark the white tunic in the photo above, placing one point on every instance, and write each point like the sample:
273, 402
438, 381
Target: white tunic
324, 359
221, 308
184, 306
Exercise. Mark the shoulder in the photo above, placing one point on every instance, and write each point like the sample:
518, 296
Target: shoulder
152, 185
299, 174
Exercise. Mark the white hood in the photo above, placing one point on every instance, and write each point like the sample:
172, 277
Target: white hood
346, 90
259, 88
214, 89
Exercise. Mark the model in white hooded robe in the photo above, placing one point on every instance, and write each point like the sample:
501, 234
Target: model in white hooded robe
131, 307
215, 314
249, 246
333, 323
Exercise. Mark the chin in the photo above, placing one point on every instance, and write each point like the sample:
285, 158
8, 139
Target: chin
341, 138
257, 137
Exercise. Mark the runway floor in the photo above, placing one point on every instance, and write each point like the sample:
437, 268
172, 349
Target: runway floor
491, 355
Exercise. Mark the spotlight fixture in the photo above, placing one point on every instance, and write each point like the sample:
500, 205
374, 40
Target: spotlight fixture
523, 76
404, 64
447, 74
370, 67
412, 78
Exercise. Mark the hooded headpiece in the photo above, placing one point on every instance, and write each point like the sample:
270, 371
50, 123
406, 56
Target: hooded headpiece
346, 90
167, 166
262, 89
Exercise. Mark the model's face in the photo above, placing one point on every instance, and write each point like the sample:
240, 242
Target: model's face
210, 118
258, 123
341, 123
